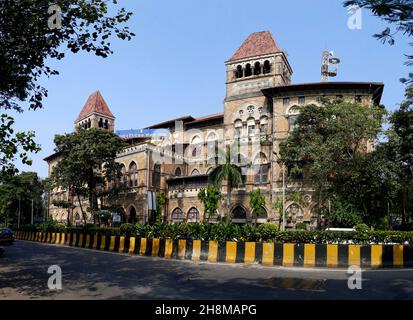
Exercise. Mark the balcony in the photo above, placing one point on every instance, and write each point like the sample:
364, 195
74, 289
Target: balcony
187, 182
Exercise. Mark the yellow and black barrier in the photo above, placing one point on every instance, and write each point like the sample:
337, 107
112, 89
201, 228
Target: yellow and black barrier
267, 254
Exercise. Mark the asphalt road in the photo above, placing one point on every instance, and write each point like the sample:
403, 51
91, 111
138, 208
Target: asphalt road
88, 274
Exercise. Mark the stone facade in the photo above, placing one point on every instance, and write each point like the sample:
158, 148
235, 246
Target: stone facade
259, 111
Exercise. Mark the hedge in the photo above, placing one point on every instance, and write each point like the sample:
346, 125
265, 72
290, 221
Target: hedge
231, 232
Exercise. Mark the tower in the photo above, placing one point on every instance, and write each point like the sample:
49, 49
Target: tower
95, 114
258, 64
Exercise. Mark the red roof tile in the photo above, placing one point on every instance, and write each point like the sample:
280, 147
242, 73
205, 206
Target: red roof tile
257, 44
95, 103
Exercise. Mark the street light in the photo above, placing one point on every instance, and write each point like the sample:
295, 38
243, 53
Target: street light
283, 212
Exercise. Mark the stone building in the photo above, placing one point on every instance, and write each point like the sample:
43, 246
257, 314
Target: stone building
260, 108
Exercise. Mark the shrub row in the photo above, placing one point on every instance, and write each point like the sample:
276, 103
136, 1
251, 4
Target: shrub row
230, 232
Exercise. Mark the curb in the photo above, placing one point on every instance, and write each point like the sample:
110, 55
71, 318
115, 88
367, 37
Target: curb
266, 254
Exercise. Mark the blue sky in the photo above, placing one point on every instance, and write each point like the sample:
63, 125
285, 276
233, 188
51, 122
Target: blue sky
175, 64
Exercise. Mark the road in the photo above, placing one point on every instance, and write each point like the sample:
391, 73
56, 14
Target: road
88, 274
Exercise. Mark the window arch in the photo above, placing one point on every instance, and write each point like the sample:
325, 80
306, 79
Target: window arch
193, 215
123, 177
209, 170
292, 115
156, 178
264, 125
248, 70
132, 215
196, 143
261, 168
238, 72
237, 128
251, 126
106, 124
195, 172
177, 216
212, 146
257, 68
133, 174
267, 67
239, 213
261, 213
178, 172
100, 123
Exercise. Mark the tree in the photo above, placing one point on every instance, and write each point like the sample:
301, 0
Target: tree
229, 172
330, 140
32, 33
21, 192
160, 202
257, 202
210, 197
68, 205
88, 162
395, 12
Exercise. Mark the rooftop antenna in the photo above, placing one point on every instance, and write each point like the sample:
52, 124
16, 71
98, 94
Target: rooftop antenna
329, 65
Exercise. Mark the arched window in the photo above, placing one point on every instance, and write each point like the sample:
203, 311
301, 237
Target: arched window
132, 215
212, 142
209, 170
178, 172
237, 128
261, 168
251, 127
257, 68
196, 145
89, 123
133, 175
292, 115
239, 213
261, 214
123, 177
248, 70
77, 218
100, 123
193, 215
264, 125
177, 216
267, 67
294, 214
156, 177
238, 72
106, 125
195, 172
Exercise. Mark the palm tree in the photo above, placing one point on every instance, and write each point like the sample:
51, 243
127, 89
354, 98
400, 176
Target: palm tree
229, 172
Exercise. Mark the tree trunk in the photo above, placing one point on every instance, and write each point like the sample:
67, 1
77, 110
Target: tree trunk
228, 201
81, 208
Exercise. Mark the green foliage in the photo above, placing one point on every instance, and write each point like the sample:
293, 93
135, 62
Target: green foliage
229, 172
301, 226
127, 229
257, 201
210, 197
19, 191
231, 232
160, 202
342, 215
27, 47
362, 227
82, 152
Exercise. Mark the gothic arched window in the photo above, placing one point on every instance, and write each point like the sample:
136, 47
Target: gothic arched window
193, 215
238, 72
133, 174
177, 216
178, 172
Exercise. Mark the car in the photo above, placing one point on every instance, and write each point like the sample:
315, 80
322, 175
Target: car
6, 236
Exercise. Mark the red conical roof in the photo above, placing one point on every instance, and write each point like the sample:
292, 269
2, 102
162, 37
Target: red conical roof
95, 104
257, 44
